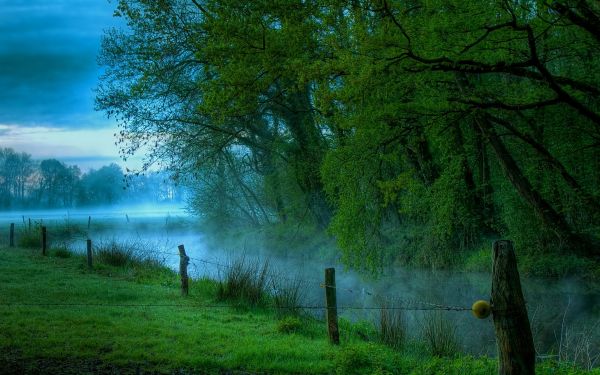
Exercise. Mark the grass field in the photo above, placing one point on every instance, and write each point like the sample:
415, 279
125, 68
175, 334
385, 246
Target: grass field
58, 317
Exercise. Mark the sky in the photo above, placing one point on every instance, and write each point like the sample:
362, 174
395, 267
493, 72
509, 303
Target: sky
48, 73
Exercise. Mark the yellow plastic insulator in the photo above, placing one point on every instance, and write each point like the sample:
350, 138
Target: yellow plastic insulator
481, 309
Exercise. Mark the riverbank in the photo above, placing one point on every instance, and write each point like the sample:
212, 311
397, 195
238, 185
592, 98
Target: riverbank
58, 317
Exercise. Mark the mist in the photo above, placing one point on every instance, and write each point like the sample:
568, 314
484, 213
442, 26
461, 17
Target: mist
157, 229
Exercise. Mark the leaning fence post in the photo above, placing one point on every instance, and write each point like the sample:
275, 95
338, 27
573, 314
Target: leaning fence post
184, 260
516, 353
331, 306
44, 240
12, 235
89, 254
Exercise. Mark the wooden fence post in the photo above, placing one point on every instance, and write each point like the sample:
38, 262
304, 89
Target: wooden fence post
44, 240
184, 260
12, 235
89, 254
516, 353
331, 306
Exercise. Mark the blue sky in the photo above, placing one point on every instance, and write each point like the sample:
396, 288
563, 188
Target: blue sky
48, 72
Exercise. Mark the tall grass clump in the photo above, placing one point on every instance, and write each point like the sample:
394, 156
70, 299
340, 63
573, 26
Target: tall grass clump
128, 254
392, 325
578, 345
67, 231
440, 335
287, 294
245, 281
61, 252
117, 254
30, 237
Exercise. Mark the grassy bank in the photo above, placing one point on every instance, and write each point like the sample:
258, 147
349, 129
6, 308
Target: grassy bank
58, 317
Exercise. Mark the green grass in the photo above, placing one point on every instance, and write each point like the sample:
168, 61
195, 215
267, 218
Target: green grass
172, 333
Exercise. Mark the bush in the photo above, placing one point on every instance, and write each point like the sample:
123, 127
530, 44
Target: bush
440, 336
289, 324
30, 238
244, 281
61, 252
362, 329
364, 358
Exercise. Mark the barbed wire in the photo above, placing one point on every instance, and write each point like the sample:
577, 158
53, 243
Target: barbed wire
221, 306
425, 305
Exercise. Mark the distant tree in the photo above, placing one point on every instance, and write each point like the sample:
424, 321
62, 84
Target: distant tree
15, 170
195, 82
102, 186
58, 183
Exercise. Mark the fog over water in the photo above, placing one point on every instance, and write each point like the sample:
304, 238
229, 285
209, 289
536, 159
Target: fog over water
162, 228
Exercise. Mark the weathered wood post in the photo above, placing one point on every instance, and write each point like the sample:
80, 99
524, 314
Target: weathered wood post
89, 254
12, 235
44, 240
331, 306
184, 260
516, 353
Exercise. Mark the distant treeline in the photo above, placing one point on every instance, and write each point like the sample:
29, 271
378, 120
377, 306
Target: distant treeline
49, 183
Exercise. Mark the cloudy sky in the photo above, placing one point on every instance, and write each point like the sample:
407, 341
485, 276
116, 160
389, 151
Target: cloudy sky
48, 72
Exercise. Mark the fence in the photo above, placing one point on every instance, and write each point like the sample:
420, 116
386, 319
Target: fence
516, 353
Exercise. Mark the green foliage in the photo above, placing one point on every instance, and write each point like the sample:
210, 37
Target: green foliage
552, 265
364, 358
480, 261
413, 133
359, 331
29, 238
61, 252
165, 340
458, 366
289, 324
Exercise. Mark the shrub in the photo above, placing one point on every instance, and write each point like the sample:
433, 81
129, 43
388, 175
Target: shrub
289, 324
365, 358
61, 252
440, 336
362, 329
30, 238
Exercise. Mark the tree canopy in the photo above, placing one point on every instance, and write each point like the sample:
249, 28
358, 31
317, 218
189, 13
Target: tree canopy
412, 130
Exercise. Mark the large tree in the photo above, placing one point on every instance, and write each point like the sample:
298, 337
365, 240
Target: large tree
429, 125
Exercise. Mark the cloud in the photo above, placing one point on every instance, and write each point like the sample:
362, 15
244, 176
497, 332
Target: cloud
88, 148
48, 66
46, 142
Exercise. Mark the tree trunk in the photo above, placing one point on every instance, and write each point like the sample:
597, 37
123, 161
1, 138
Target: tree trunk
307, 153
541, 207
